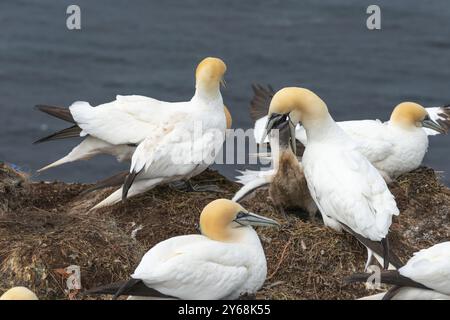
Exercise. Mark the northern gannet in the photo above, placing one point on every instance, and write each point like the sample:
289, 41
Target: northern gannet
393, 147
116, 128
426, 276
184, 142
19, 293
287, 183
224, 262
349, 192
119, 178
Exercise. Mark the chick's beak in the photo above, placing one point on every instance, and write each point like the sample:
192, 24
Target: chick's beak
275, 120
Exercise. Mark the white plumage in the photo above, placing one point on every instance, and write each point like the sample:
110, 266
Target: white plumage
181, 146
195, 267
430, 267
224, 262
116, 127
345, 186
391, 148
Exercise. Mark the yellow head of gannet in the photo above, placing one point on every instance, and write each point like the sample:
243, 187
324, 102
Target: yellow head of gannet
221, 219
294, 105
19, 293
209, 74
411, 115
228, 116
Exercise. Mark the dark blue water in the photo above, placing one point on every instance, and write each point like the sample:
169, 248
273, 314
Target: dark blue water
151, 48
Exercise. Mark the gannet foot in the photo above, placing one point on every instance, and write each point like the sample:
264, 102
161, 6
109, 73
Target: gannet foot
187, 186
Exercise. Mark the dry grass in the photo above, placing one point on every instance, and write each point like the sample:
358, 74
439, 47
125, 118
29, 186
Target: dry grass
44, 226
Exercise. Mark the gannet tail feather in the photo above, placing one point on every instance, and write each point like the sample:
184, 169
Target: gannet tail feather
132, 287
113, 198
259, 105
71, 132
377, 248
57, 112
113, 181
251, 186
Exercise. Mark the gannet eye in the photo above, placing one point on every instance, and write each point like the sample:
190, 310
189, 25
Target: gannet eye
241, 214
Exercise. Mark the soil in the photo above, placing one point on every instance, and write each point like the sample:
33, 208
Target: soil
46, 226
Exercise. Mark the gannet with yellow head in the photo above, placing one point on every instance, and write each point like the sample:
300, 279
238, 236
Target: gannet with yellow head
224, 262
19, 293
118, 127
394, 147
347, 189
166, 141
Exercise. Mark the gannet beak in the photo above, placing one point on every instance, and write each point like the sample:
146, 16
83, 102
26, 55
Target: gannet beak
223, 82
274, 121
433, 125
253, 219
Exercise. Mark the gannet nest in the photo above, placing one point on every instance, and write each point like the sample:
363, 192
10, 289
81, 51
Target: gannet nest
45, 226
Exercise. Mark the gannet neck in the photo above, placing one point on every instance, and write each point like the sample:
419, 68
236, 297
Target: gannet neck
408, 115
322, 129
208, 77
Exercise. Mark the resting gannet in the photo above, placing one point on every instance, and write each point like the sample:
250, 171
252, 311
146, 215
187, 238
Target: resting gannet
426, 276
393, 147
184, 142
224, 262
116, 128
347, 189
287, 183
19, 293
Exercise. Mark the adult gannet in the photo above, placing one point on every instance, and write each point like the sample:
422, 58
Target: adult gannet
119, 178
393, 147
184, 142
287, 183
426, 276
224, 262
347, 189
117, 127
19, 293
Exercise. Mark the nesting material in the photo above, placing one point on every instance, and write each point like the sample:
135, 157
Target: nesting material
46, 226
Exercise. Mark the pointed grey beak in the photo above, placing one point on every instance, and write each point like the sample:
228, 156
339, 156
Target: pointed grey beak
433, 125
253, 219
223, 83
273, 122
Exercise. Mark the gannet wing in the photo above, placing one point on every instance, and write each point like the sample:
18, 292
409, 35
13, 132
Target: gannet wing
194, 267
259, 105
441, 115
370, 137
430, 267
349, 189
127, 120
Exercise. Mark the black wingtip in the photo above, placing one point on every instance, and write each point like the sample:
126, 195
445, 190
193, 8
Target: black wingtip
127, 184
